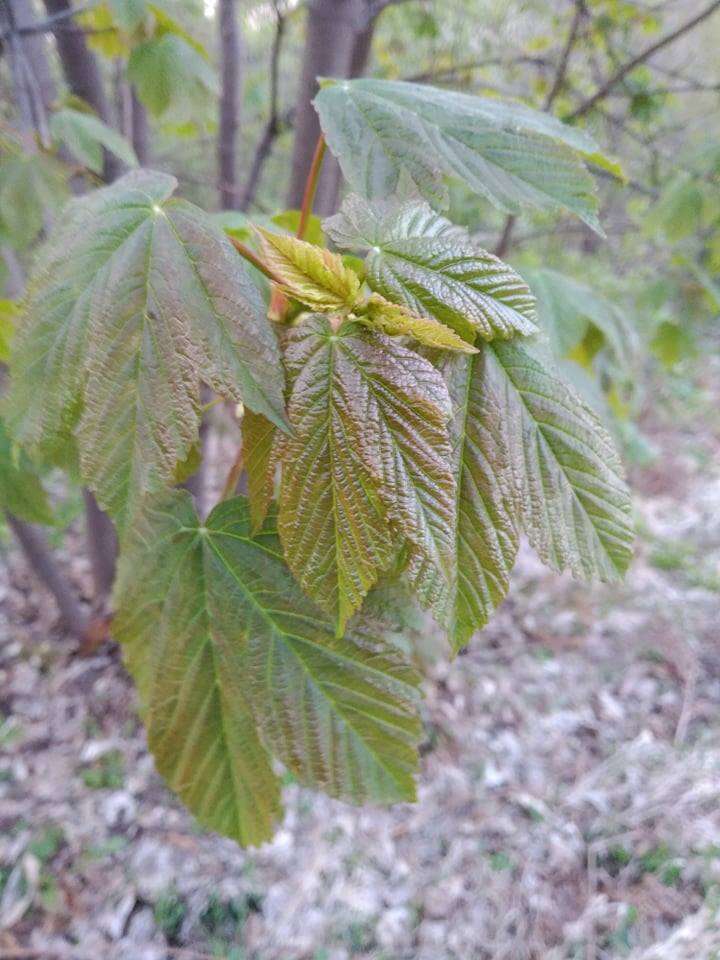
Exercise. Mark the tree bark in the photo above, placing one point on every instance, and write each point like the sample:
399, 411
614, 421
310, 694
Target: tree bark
33, 79
140, 130
102, 546
230, 94
82, 74
38, 555
358, 63
332, 26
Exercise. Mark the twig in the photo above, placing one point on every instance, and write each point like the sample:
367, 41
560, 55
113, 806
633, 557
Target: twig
254, 259
43, 565
311, 186
561, 71
560, 74
449, 72
50, 23
641, 57
272, 127
231, 481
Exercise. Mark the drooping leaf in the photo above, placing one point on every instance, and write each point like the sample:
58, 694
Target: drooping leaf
679, 210
182, 643
571, 496
486, 528
85, 135
397, 321
31, 185
370, 445
21, 492
507, 152
418, 258
231, 659
134, 300
168, 68
567, 306
310, 274
260, 461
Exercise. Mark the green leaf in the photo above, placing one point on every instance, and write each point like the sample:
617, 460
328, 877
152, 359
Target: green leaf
332, 522
260, 460
510, 154
31, 185
182, 643
485, 528
678, 212
21, 492
289, 220
563, 467
312, 275
566, 307
136, 298
231, 659
9, 313
85, 135
397, 321
672, 343
369, 455
129, 14
421, 260
167, 69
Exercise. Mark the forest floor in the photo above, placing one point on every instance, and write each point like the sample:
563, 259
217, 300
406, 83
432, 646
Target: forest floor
569, 798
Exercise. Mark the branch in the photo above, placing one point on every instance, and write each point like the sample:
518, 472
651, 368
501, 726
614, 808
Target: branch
636, 61
50, 23
272, 127
560, 74
254, 259
43, 565
459, 68
311, 186
561, 71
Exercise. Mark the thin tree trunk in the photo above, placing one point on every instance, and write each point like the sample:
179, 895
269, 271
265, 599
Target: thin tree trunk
82, 74
358, 64
140, 130
32, 77
230, 95
36, 550
330, 34
102, 546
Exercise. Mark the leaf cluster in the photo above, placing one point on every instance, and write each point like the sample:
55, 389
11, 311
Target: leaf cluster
400, 425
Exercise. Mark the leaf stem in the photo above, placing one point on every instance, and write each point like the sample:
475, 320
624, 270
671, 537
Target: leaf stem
254, 259
311, 186
231, 481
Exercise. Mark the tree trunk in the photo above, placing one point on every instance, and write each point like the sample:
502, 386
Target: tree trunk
140, 130
82, 74
358, 63
102, 546
36, 550
231, 83
330, 34
33, 79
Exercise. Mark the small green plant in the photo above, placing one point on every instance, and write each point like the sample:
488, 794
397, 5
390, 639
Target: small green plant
107, 773
45, 844
402, 424
170, 911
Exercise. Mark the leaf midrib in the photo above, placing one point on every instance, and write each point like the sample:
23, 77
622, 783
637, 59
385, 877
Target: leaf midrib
288, 639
